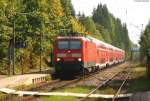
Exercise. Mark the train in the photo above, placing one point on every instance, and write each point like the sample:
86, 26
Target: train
77, 54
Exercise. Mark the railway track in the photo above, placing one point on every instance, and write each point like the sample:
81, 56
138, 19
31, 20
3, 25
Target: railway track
101, 78
124, 80
108, 75
124, 74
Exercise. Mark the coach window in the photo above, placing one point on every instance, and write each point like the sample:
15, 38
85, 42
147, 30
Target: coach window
63, 45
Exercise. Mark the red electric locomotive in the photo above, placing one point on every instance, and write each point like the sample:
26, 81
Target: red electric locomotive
75, 54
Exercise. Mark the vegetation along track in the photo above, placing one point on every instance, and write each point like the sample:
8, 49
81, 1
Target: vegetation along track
97, 79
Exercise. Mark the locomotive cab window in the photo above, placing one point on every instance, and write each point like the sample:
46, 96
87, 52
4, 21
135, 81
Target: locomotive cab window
76, 44
69, 44
63, 45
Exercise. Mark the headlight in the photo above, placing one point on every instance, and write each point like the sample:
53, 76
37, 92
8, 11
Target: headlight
79, 59
58, 59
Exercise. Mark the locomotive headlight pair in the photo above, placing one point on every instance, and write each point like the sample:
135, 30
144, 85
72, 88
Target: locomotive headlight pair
79, 59
58, 59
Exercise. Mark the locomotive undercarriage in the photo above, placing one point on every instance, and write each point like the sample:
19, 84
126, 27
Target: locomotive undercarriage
67, 69
63, 70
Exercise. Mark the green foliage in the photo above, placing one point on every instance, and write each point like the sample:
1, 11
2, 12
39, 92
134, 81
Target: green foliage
37, 22
140, 82
111, 28
76, 25
68, 8
90, 26
88, 23
145, 47
102, 16
104, 33
58, 98
145, 40
80, 89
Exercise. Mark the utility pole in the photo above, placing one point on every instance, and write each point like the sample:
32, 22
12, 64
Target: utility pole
14, 48
40, 52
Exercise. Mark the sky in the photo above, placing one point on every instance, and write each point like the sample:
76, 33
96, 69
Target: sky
132, 12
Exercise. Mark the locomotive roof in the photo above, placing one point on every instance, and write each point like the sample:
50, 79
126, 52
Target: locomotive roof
89, 38
73, 37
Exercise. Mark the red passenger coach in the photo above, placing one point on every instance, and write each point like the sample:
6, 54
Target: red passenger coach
73, 54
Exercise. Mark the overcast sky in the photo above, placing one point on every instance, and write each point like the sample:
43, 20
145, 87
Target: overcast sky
134, 14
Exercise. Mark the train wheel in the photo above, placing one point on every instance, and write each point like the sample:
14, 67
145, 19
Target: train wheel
86, 71
97, 68
92, 69
107, 65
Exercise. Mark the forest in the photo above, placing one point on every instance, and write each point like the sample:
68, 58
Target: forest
34, 24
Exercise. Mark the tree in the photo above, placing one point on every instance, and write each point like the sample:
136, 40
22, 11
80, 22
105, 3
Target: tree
37, 22
102, 16
7, 18
145, 46
68, 7
111, 28
89, 24
76, 26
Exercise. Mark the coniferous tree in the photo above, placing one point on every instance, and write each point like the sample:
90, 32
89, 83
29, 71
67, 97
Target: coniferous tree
111, 28
145, 46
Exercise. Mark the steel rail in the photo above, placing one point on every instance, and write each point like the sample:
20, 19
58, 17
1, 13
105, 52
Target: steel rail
101, 84
118, 91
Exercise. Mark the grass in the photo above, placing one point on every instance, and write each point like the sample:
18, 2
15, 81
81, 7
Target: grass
79, 89
58, 98
140, 83
72, 89
106, 90
62, 98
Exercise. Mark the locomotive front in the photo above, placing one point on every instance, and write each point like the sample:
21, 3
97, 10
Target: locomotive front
68, 55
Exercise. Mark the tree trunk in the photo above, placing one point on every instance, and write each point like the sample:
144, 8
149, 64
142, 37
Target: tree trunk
131, 57
10, 56
148, 66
